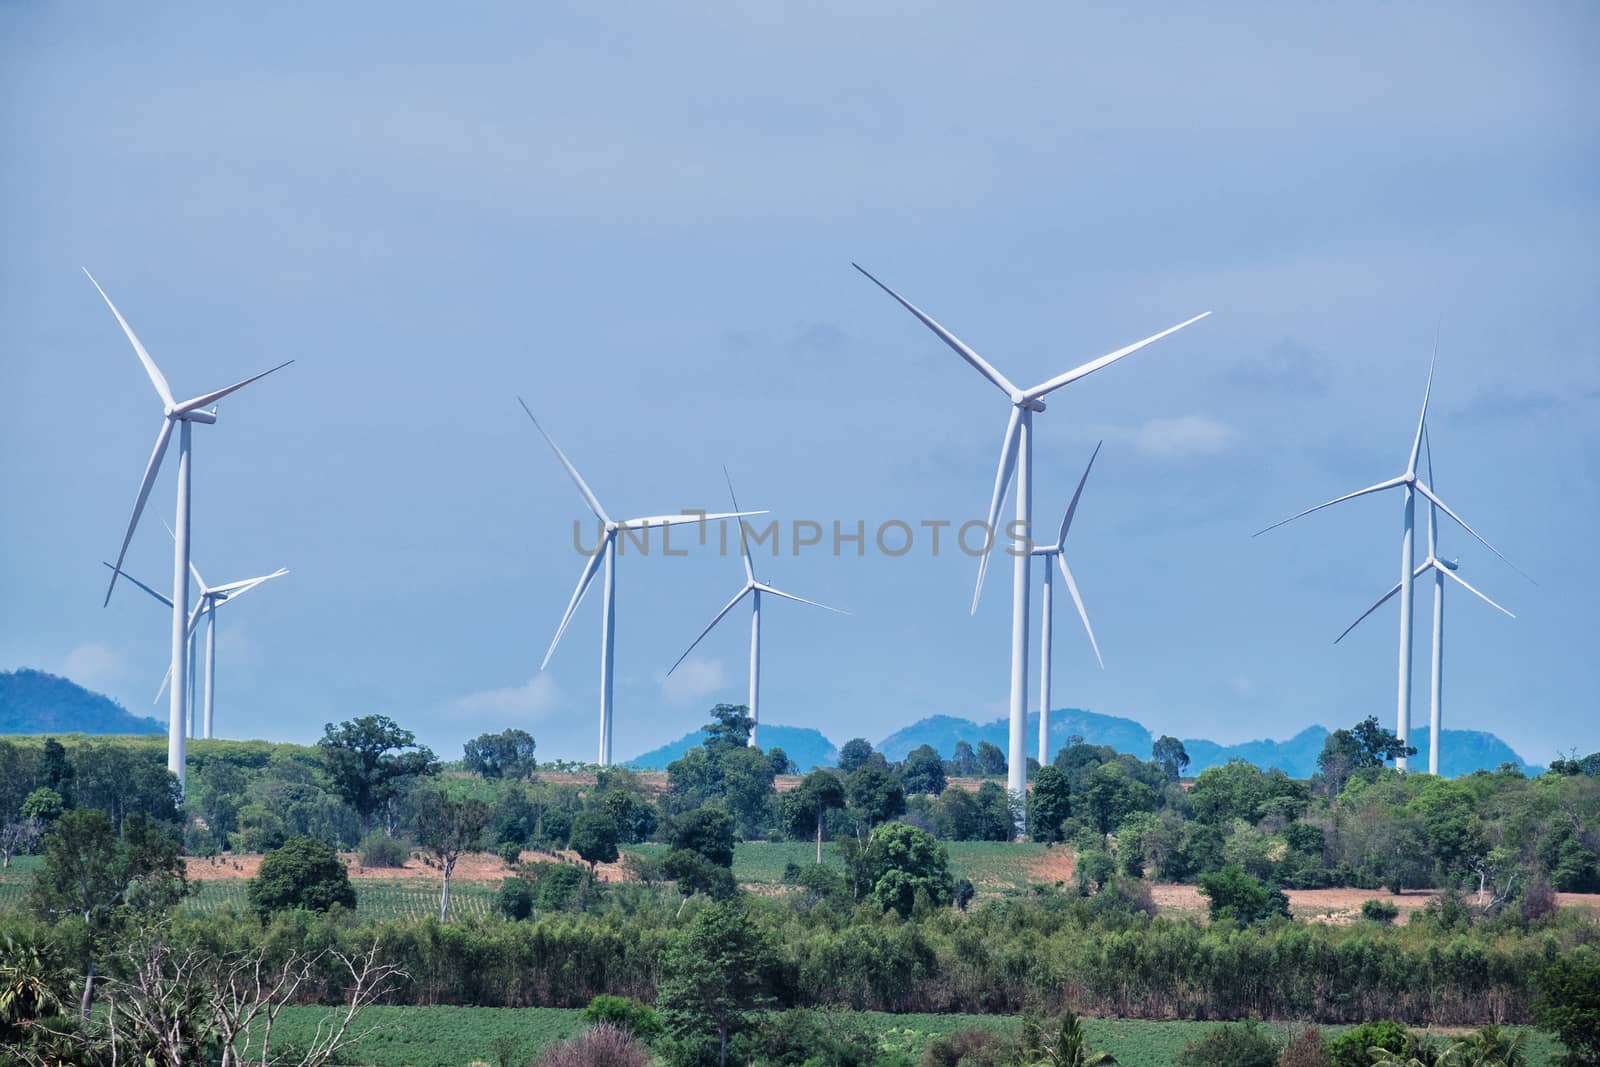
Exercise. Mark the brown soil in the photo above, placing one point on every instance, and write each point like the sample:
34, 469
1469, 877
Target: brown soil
1056, 865
472, 867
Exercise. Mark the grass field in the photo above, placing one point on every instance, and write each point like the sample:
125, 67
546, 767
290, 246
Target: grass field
423, 1037
991, 865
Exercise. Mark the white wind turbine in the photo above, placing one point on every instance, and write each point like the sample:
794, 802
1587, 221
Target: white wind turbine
753, 589
1442, 569
607, 552
1047, 611
1411, 485
181, 415
1016, 456
206, 604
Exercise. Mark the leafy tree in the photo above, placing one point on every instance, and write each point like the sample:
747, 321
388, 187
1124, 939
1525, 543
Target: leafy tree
515, 899
854, 754
594, 838
302, 873
43, 805
707, 831
1051, 804
747, 787
693, 874
508, 754
1234, 896
716, 979
1366, 745
1063, 1045
371, 760
904, 861
56, 770
1231, 1045
1169, 753
807, 805
447, 826
729, 728
991, 761
634, 816
1355, 1047
92, 873
1110, 795
780, 761
996, 820
1491, 1046
923, 771
1567, 1003
875, 793
963, 761
1379, 911
624, 1013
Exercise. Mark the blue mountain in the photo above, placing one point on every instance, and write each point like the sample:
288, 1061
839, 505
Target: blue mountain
33, 702
806, 747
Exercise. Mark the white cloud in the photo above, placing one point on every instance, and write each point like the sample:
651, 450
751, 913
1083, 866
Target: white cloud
94, 665
693, 680
1183, 437
529, 701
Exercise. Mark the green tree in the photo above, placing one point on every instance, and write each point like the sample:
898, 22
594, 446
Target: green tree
780, 761
447, 826
729, 728
964, 761
1050, 804
875, 793
44, 805
508, 754
923, 771
991, 761
635, 817
302, 873
706, 831
594, 837
855, 753
1490, 1046
904, 861
1231, 1045
716, 978
1169, 753
370, 761
807, 805
1567, 1003
1063, 1045
1110, 795
1366, 745
94, 874
1234, 896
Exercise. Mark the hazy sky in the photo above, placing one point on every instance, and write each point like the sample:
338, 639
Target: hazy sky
642, 218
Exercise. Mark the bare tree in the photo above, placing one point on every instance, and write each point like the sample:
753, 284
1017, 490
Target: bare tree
19, 835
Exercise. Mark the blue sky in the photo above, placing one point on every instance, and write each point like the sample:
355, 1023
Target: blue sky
642, 218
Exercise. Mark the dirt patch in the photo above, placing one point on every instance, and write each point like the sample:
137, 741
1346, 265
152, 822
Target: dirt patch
1338, 906
1056, 865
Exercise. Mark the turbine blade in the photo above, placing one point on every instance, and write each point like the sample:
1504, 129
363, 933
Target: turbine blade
798, 599
1384, 599
589, 571
159, 596
744, 549
1448, 573
1422, 419
740, 595
977, 362
208, 398
157, 379
1066, 520
151, 469
1433, 510
1002, 480
1390, 484
248, 583
1106, 360
1425, 491
165, 678
680, 519
577, 479
1072, 587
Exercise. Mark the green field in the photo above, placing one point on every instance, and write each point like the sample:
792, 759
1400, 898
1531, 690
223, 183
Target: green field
991, 865
422, 1037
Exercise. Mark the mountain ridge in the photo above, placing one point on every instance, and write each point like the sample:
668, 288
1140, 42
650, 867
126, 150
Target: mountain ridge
37, 702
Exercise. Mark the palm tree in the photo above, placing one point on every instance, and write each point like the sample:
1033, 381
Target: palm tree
1490, 1046
1418, 1053
1068, 1047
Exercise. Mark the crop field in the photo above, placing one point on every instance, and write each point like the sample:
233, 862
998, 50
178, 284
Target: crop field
415, 1037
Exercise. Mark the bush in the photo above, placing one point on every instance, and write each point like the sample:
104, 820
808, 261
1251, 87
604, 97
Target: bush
1308, 1049
1379, 911
1351, 1048
303, 873
378, 849
559, 886
800, 1036
624, 1013
515, 899
1567, 1003
510, 853
974, 1046
1234, 896
601, 1045
1231, 1045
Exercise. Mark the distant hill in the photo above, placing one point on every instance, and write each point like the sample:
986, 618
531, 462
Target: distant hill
943, 731
805, 746
33, 702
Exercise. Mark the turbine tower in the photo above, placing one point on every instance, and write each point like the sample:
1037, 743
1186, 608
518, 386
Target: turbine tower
753, 589
1411, 485
182, 416
206, 605
606, 553
1016, 456
1442, 569
1046, 611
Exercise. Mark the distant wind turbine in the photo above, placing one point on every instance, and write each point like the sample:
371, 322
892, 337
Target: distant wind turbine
1411, 485
1046, 612
181, 415
1442, 569
1016, 456
753, 589
606, 552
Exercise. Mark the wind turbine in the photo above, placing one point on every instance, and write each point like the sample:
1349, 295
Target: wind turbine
1411, 485
206, 604
1046, 612
607, 552
1442, 569
1016, 455
181, 415
753, 589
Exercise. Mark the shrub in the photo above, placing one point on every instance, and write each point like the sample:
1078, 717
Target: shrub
1567, 1003
559, 886
799, 1036
601, 1045
515, 899
378, 849
510, 853
624, 1013
1308, 1049
303, 873
1351, 1048
1234, 896
1379, 911
1231, 1045
974, 1046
